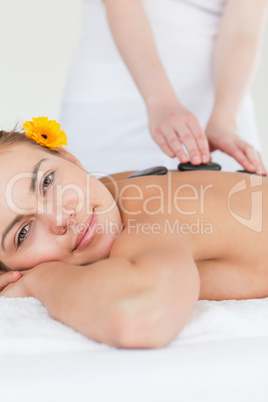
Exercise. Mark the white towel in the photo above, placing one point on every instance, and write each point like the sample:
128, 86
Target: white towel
26, 327
221, 355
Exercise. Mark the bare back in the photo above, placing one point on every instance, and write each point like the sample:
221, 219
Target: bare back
221, 216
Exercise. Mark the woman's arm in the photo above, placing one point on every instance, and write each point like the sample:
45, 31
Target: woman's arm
142, 303
235, 59
168, 119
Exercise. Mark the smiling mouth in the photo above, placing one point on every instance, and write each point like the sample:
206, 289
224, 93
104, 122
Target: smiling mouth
84, 239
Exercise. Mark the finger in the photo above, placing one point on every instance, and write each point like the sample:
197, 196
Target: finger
237, 151
175, 144
248, 157
200, 139
187, 139
262, 169
252, 156
255, 158
241, 158
9, 277
161, 141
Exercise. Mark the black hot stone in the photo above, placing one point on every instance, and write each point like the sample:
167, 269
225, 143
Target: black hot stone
154, 171
246, 171
186, 167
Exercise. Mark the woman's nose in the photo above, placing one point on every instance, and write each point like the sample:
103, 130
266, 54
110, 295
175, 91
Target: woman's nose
60, 221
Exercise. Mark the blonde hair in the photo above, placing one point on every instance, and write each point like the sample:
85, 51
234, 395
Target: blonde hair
16, 137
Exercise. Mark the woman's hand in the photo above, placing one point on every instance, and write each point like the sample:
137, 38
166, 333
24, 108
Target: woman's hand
224, 136
172, 125
12, 284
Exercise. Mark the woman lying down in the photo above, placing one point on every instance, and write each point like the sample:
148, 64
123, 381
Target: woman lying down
124, 261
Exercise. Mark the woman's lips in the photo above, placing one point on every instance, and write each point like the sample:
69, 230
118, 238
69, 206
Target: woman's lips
84, 239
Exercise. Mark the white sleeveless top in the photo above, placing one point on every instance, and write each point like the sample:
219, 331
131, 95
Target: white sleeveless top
184, 31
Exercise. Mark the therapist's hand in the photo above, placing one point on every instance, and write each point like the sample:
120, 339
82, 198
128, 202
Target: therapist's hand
172, 125
224, 136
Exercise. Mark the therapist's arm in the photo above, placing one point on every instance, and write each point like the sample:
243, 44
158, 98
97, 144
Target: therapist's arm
170, 122
236, 55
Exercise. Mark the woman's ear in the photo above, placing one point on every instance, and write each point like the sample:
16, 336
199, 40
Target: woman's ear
67, 155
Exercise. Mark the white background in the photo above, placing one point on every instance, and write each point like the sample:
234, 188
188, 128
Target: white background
37, 40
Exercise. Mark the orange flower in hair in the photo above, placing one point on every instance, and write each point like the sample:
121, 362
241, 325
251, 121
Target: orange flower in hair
45, 132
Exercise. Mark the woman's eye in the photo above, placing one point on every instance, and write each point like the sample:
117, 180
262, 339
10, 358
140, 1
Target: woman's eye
47, 181
23, 234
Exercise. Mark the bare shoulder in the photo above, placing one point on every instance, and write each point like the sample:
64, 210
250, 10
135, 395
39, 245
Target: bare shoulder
115, 177
137, 240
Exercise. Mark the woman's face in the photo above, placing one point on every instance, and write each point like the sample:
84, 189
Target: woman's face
52, 210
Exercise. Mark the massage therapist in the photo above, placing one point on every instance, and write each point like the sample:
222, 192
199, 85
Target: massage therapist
155, 82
